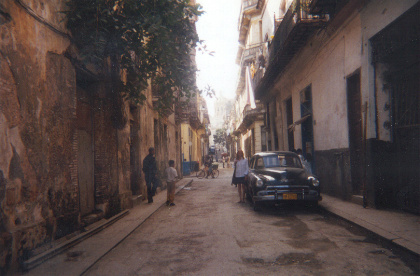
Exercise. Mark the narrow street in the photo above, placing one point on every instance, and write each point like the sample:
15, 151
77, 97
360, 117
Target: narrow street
209, 233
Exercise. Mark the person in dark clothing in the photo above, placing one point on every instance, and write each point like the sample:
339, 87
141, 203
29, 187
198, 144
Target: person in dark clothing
150, 170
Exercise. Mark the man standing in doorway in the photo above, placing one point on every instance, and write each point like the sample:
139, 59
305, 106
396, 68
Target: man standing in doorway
150, 170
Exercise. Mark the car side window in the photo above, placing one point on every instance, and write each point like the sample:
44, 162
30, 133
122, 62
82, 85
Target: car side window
259, 164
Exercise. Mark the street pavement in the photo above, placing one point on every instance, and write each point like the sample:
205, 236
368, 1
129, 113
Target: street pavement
399, 228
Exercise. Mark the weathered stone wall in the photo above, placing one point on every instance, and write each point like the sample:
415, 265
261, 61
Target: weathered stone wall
38, 192
51, 126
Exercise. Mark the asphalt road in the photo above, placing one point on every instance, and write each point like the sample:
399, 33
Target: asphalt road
209, 233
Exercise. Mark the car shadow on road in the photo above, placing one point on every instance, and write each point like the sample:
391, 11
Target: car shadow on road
286, 210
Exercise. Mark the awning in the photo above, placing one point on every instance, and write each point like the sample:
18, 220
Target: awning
298, 122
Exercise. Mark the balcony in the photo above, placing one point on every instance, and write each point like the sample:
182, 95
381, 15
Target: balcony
249, 117
292, 34
248, 9
187, 112
250, 54
330, 7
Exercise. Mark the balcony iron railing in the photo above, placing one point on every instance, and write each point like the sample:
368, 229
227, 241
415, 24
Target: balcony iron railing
292, 34
250, 54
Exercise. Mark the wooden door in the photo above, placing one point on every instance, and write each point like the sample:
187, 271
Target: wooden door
354, 115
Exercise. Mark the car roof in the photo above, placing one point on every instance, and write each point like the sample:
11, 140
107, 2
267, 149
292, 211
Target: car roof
267, 153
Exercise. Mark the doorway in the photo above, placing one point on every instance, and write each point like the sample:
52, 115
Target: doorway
307, 125
134, 154
85, 152
397, 46
354, 117
289, 121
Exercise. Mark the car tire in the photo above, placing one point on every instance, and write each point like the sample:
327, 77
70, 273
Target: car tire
256, 205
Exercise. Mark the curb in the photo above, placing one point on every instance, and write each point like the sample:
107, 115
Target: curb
62, 247
376, 231
38, 259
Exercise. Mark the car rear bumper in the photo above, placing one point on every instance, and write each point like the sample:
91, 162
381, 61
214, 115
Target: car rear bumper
281, 196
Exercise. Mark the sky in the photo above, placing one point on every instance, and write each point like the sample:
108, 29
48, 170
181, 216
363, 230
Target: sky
218, 27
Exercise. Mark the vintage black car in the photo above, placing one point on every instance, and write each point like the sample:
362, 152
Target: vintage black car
276, 177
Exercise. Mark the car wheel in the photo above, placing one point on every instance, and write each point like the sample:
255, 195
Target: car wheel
256, 205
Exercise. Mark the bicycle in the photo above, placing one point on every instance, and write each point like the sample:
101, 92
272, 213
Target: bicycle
202, 173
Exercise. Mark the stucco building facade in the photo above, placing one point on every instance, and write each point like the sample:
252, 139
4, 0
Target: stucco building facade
340, 84
195, 132
249, 123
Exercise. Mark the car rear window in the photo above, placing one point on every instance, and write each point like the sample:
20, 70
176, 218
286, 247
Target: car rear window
281, 160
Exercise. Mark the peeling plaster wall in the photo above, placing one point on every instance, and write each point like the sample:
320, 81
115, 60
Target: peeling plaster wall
38, 195
39, 188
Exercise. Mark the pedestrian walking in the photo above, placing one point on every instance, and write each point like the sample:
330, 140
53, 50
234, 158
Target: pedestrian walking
171, 176
241, 174
150, 170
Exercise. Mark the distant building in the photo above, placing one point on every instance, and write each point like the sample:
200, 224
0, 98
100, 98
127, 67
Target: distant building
250, 129
222, 109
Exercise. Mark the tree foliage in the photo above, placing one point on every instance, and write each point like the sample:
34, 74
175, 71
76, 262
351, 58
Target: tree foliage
141, 40
220, 137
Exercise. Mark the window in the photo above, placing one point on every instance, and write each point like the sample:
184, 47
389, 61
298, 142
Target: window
282, 160
260, 163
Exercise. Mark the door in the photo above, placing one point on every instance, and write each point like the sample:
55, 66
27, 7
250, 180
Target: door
85, 153
354, 115
134, 158
289, 120
307, 125
406, 136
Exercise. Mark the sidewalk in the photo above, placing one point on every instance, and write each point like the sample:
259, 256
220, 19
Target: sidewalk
399, 228
89, 250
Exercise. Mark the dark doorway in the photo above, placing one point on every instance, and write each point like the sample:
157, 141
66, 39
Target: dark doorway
307, 125
289, 121
275, 134
397, 46
354, 116
134, 156
269, 127
406, 136
85, 152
